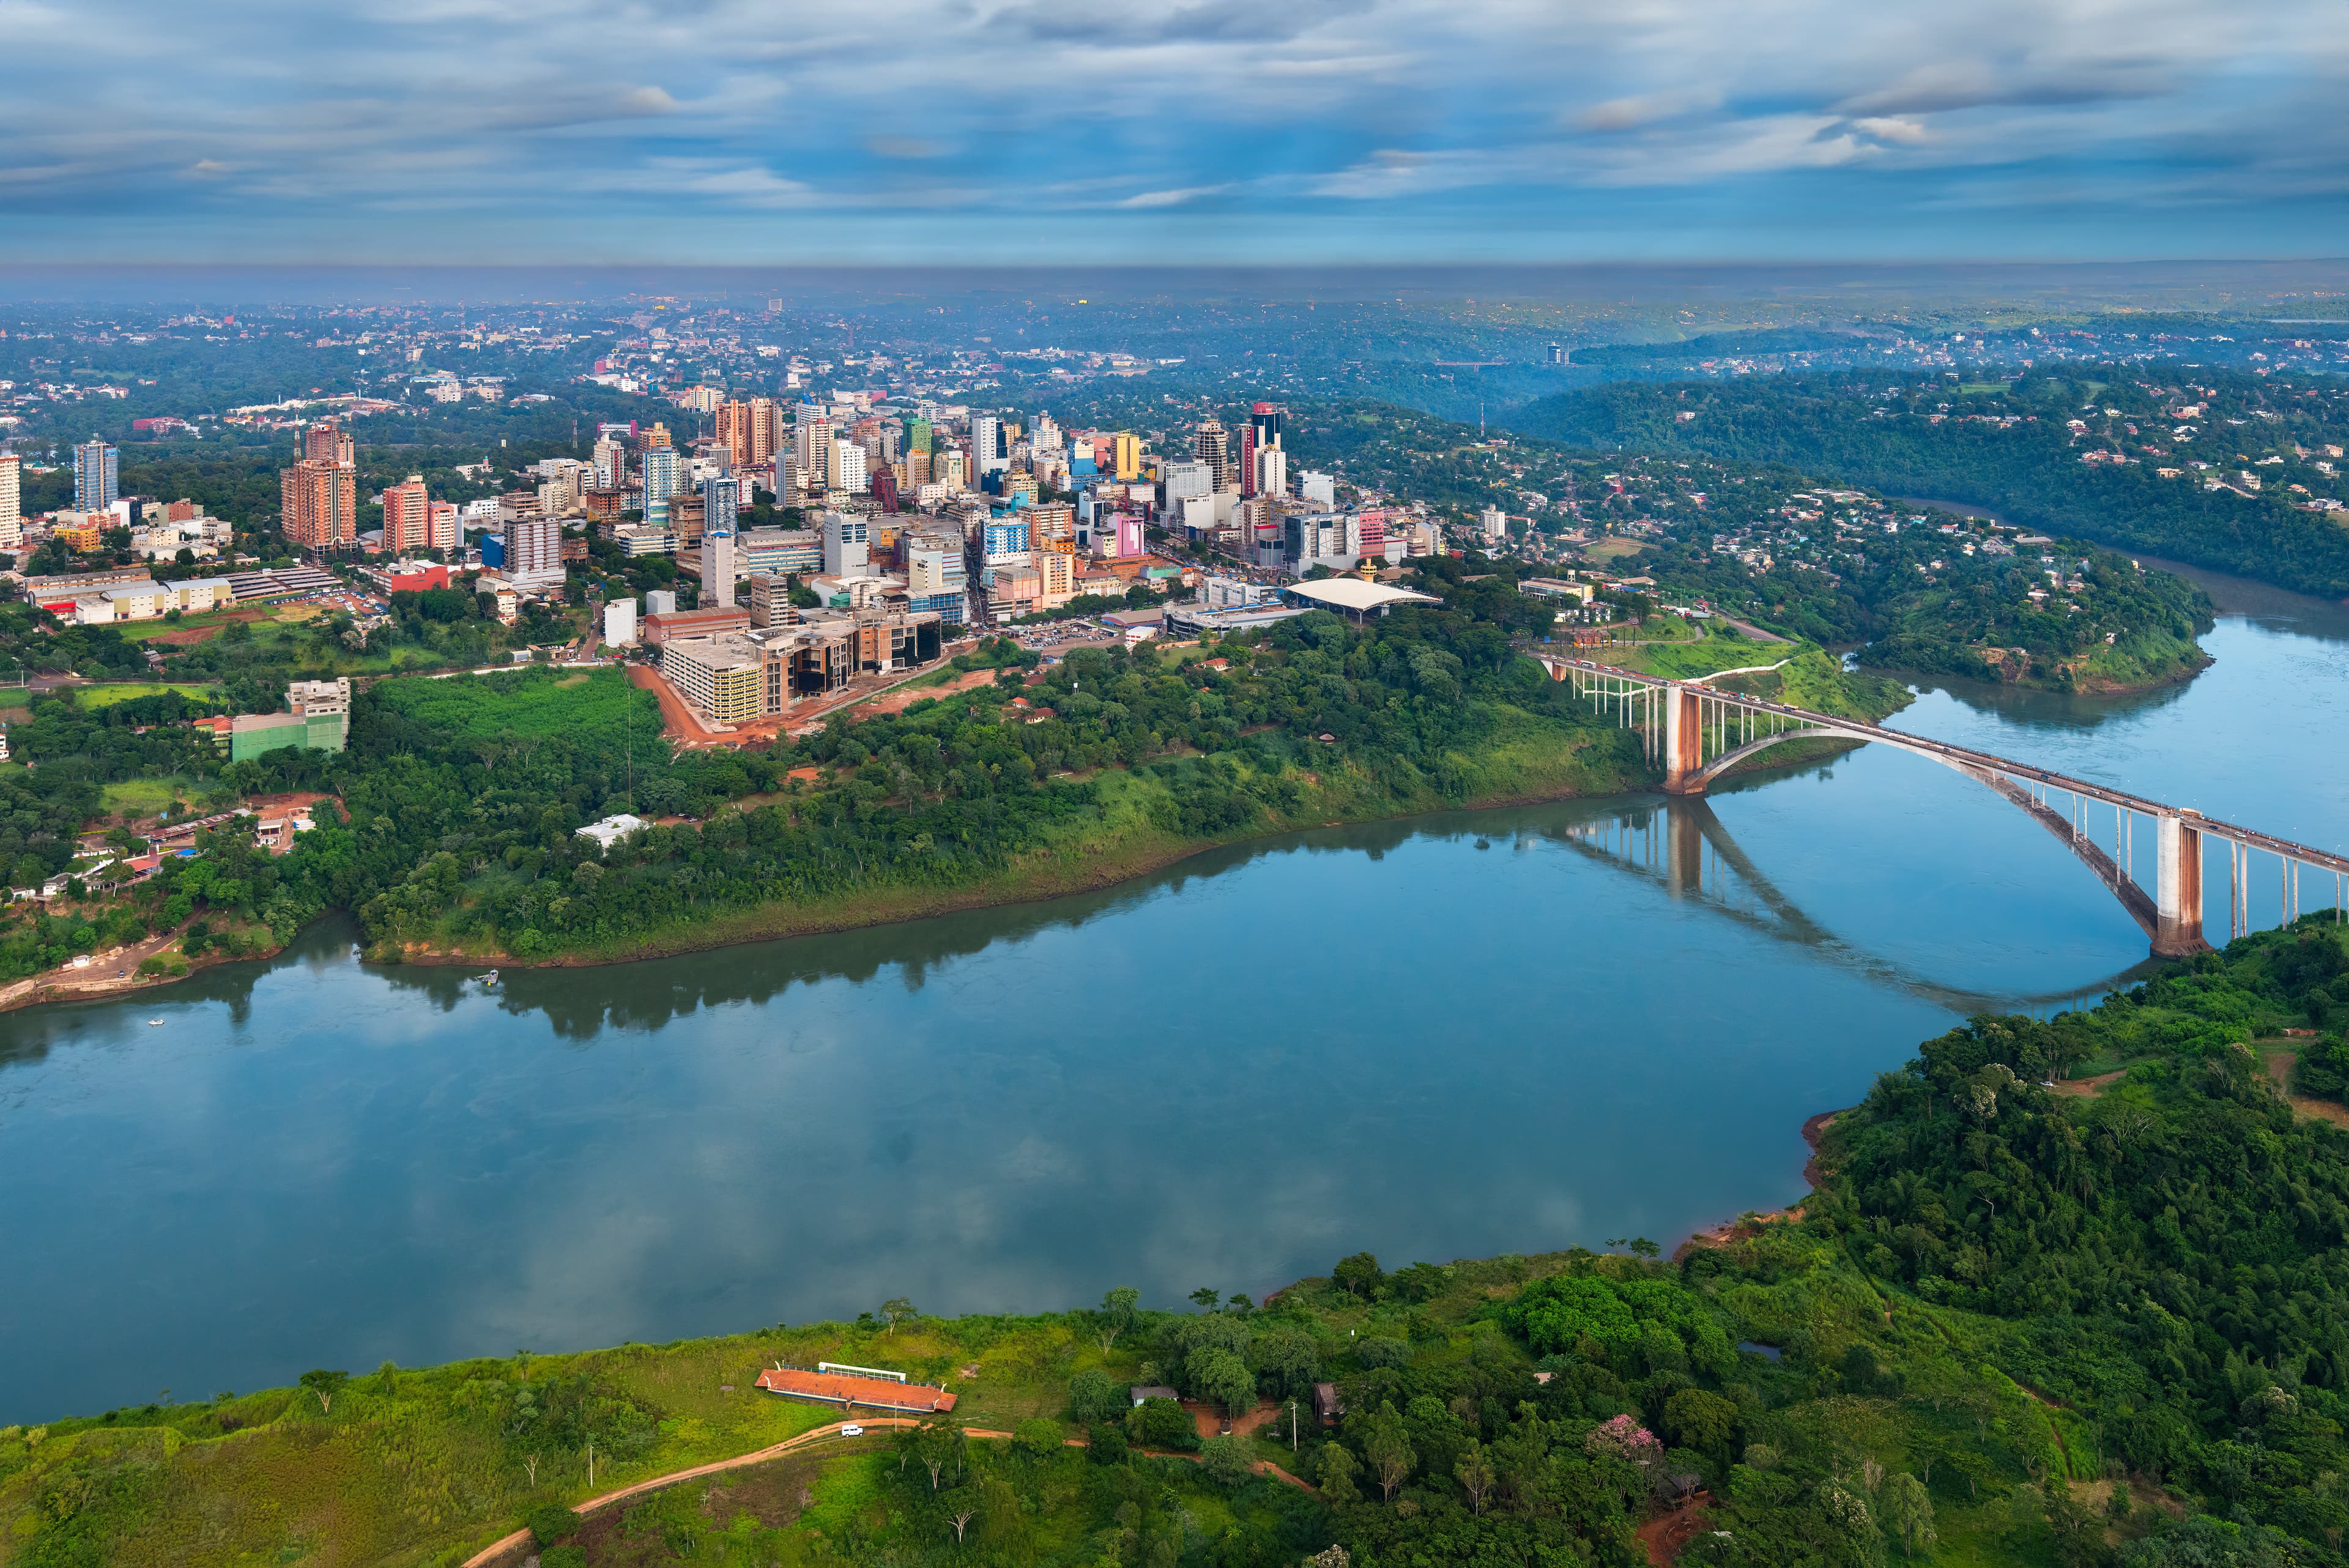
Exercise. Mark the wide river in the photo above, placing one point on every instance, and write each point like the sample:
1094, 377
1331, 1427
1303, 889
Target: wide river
1454, 1037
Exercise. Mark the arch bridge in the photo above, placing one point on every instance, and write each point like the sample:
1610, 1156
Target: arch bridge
1696, 734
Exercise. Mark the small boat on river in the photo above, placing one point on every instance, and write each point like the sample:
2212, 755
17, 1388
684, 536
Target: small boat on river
491, 977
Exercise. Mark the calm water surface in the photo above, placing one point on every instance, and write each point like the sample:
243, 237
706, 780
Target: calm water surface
1514, 1030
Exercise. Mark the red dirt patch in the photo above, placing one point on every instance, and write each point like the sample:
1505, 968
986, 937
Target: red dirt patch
1665, 1536
2089, 1088
187, 636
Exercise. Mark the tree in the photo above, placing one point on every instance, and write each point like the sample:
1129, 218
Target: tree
1226, 1460
549, 1523
1359, 1274
1092, 1398
1206, 1298
1039, 1437
1699, 1420
960, 1516
895, 1308
1337, 1469
936, 1441
1386, 1443
1907, 1511
1117, 1315
1475, 1475
325, 1384
1221, 1376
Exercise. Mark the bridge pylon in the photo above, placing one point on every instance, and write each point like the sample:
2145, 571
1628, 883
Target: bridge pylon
2178, 888
1683, 742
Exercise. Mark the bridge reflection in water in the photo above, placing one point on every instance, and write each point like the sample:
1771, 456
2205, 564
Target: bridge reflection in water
1697, 733
1679, 843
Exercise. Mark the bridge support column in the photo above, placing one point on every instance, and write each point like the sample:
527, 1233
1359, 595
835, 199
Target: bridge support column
1683, 739
2178, 888
1684, 858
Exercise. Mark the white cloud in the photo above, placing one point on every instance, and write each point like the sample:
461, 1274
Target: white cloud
1173, 198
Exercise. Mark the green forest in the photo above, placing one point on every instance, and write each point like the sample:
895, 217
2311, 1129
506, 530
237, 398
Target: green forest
2012, 448
452, 816
2068, 1291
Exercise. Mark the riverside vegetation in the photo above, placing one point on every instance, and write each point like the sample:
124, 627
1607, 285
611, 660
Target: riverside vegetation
2096, 1324
453, 814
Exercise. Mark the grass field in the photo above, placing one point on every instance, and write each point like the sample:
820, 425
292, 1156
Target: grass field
106, 696
1978, 388
527, 704
1612, 549
147, 797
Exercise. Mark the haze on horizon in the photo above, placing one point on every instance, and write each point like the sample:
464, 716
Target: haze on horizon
744, 132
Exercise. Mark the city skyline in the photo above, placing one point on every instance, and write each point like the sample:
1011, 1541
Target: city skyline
476, 132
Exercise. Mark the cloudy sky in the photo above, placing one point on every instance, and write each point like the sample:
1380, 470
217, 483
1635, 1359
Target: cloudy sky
1276, 131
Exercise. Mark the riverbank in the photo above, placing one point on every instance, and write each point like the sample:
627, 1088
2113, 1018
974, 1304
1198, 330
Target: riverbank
1122, 845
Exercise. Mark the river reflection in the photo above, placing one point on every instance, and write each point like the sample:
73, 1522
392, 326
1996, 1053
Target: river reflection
1457, 1036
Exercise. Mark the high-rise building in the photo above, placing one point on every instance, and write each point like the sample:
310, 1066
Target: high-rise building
847, 545
662, 478
1261, 431
751, 430
655, 439
848, 467
1208, 446
406, 517
917, 435
611, 464
1271, 471
318, 502
445, 531
534, 551
1556, 355
721, 500
811, 434
95, 486
326, 443
12, 505
987, 452
718, 568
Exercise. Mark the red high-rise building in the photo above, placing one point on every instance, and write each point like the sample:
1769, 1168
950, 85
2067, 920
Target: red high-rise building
326, 443
320, 504
406, 517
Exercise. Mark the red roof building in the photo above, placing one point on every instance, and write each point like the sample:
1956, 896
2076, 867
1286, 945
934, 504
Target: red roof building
849, 1392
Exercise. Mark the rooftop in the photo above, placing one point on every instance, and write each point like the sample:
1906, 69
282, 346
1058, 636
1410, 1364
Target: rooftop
1356, 597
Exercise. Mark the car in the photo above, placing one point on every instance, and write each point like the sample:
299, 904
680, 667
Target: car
852, 1430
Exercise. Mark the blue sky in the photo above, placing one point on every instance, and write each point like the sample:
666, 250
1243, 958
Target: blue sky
939, 131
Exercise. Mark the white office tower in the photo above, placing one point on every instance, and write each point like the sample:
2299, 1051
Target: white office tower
660, 601
716, 567
1494, 522
1183, 482
620, 623
611, 464
847, 547
987, 455
662, 480
12, 506
848, 466
1271, 470
811, 438
1317, 488
1047, 435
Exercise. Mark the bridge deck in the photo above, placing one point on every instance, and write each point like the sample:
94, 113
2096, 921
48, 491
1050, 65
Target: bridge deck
1965, 756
